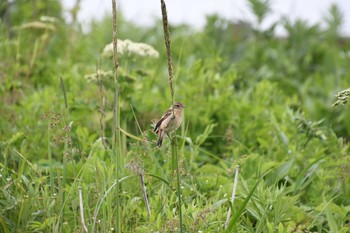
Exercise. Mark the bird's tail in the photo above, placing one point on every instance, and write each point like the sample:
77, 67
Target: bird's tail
160, 141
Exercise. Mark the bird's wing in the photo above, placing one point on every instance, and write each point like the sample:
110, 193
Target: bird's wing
159, 123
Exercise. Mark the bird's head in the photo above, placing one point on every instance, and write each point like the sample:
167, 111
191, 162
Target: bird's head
179, 106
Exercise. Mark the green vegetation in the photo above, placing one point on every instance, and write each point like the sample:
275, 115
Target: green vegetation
252, 99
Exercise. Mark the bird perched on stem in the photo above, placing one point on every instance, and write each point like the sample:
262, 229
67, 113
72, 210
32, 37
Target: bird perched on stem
170, 121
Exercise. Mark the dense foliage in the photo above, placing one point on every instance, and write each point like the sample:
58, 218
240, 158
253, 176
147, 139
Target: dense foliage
253, 99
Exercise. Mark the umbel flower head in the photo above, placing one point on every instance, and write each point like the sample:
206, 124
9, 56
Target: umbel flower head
128, 47
342, 97
99, 74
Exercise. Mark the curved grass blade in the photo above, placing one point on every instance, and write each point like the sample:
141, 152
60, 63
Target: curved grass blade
132, 136
159, 178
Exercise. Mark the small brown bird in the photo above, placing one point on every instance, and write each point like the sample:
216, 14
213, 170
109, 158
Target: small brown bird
170, 121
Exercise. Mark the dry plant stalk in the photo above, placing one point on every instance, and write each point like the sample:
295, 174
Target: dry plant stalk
136, 167
115, 40
116, 65
82, 210
116, 122
168, 50
232, 196
171, 75
145, 195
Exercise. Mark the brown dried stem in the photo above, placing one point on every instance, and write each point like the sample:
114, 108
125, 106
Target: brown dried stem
168, 49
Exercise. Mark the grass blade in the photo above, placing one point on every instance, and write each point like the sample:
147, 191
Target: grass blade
63, 86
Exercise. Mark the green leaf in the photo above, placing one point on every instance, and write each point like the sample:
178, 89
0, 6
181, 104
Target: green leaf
280, 172
304, 177
331, 221
280, 228
269, 227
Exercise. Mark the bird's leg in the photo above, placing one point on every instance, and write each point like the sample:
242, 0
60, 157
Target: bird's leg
168, 136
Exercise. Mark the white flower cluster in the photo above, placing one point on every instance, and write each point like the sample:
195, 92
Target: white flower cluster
100, 73
128, 47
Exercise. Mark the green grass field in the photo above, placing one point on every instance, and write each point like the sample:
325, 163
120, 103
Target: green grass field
77, 150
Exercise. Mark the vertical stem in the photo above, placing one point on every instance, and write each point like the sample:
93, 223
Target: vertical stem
171, 75
145, 196
123, 138
66, 145
232, 196
116, 85
175, 154
116, 119
102, 104
50, 158
82, 210
33, 59
63, 86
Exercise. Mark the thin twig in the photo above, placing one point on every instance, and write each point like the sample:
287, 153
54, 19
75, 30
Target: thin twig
232, 196
82, 209
145, 195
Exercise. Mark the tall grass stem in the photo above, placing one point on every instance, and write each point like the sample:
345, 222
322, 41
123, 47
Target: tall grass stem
178, 183
170, 78
50, 159
168, 49
235, 182
102, 105
63, 86
116, 116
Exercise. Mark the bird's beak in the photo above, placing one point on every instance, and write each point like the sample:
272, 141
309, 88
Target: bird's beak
184, 106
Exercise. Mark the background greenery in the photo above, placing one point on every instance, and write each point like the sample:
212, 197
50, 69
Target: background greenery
253, 100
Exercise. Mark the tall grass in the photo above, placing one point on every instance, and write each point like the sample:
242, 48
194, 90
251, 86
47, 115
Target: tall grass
116, 144
174, 145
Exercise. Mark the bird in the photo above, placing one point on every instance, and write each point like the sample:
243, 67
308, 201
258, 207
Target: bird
170, 121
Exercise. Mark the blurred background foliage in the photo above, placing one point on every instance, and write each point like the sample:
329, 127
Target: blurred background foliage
253, 99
